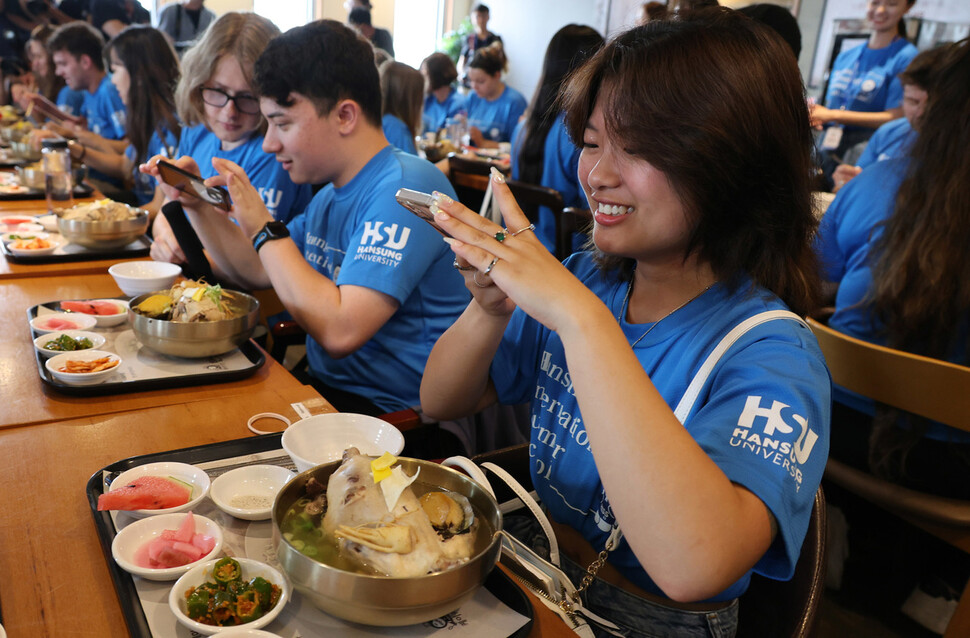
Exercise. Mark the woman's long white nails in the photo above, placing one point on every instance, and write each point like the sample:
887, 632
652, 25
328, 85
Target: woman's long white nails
437, 198
497, 175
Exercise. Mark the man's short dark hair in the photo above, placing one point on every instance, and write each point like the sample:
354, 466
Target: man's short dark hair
359, 16
78, 38
325, 62
480, 8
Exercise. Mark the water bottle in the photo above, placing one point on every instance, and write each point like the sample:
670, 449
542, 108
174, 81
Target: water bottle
59, 183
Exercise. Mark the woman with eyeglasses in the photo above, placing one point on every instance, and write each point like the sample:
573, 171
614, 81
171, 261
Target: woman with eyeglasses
220, 112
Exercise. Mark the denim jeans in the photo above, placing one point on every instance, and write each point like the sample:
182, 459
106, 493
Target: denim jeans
635, 616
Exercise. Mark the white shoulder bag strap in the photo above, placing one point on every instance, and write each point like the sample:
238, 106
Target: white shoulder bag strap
694, 389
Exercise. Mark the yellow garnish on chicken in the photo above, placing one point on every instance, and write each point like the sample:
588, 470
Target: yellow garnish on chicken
381, 466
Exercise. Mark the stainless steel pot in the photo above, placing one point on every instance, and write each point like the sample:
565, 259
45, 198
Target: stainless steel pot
110, 234
198, 339
381, 600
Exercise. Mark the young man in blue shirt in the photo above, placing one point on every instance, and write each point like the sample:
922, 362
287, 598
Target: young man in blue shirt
372, 284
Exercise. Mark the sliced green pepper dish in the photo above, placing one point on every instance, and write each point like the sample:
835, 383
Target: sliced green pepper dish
230, 601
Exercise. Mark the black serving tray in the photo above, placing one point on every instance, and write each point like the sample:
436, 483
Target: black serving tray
253, 353
498, 583
140, 247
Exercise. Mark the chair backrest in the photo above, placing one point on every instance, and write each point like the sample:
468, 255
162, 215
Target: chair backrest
788, 609
931, 388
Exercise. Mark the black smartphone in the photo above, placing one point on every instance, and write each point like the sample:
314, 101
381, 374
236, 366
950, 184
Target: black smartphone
193, 184
420, 204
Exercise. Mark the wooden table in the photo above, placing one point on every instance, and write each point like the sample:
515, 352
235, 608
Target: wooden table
55, 580
26, 400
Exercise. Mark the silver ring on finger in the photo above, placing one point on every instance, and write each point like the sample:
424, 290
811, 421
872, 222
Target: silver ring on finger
460, 267
478, 283
491, 265
521, 230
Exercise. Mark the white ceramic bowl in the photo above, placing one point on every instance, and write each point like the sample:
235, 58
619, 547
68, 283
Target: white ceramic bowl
49, 222
235, 632
200, 573
139, 277
184, 472
263, 482
52, 245
80, 321
96, 341
107, 321
55, 363
14, 236
13, 222
128, 541
324, 437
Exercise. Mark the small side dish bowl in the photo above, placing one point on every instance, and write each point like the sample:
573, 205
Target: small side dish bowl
140, 277
131, 539
14, 236
58, 321
184, 472
101, 305
236, 632
201, 573
56, 364
248, 492
49, 222
322, 438
27, 247
96, 341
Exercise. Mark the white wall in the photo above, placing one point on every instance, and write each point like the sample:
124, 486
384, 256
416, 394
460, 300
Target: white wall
527, 27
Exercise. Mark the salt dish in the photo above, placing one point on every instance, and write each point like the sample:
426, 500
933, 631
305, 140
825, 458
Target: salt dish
249, 492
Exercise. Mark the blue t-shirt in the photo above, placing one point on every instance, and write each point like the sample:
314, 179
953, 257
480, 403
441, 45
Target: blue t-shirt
359, 235
282, 197
398, 134
104, 111
436, 113
560, 168
850, 229
864, 79
496, 119
144, 184
892, 139
70, 101
763, 415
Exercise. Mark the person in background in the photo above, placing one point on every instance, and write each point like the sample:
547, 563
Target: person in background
370, 282
480, 38
45, 81
780, 19
219, 110
494, 108
894, 242
402, 88
443, 100
184, 22
701, 221
359, 19
111, 16
542, 152
864, 91
652, 11
894, 138
145, 71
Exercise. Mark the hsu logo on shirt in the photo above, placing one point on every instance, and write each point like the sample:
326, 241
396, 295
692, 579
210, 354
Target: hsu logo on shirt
764, 430
383, 243
271, 198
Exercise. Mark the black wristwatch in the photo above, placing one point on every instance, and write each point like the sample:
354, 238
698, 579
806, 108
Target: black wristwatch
272, 230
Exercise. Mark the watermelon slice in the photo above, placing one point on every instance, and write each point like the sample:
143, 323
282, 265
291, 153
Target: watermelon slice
92, 307
146, 493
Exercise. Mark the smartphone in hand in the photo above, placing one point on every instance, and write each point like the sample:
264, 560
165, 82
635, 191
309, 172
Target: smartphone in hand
193, 184
420, 204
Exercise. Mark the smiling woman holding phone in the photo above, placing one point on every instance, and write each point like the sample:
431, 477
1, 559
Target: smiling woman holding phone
676, 401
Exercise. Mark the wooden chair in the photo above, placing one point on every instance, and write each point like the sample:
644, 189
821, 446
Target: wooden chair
788, 609
769, 607
930, 388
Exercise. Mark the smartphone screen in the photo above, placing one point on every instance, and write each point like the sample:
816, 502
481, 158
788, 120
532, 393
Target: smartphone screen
420, 204
193, 184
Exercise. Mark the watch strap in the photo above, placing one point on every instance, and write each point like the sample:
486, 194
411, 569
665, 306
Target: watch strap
270, 231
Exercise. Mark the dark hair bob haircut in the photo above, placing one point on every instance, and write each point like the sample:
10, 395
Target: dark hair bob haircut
440, 69
715, 101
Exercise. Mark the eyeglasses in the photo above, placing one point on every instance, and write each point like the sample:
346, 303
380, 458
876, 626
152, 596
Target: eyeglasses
217, 97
